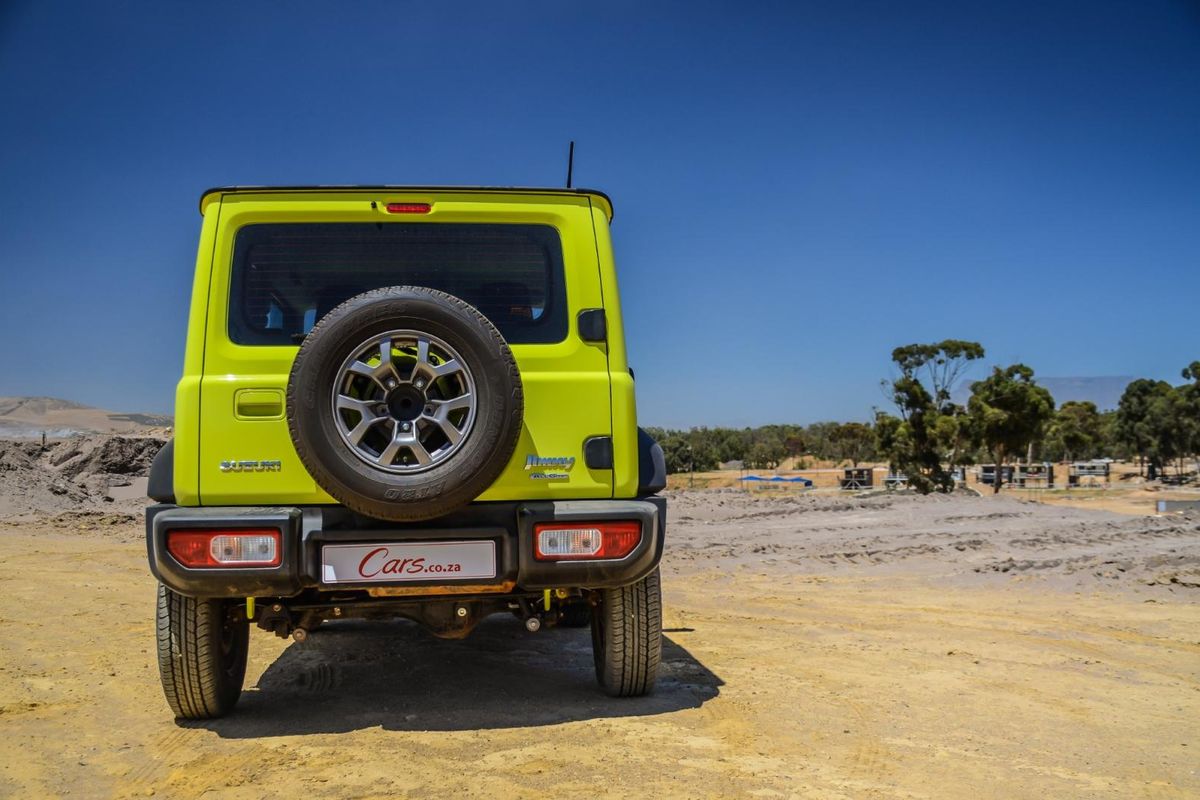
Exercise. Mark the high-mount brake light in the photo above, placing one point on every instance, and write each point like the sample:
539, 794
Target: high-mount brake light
199, 549
408, 208
569, 541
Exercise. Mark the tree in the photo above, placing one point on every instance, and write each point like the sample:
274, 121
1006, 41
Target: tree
765, 454
796, 444
854, 442
892, 440
1138, 424
917, 444
1189, 402
686, 451
942, 364
1110, 443
819, 439
675, 452
956, 434
736, 443
703, 451
1010, 411
1076, 431
1155, 422
1171, 426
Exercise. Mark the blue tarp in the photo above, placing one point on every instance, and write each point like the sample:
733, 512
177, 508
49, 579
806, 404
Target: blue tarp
779, 479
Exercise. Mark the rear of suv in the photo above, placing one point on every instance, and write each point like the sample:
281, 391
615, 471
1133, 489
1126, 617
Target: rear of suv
402, 401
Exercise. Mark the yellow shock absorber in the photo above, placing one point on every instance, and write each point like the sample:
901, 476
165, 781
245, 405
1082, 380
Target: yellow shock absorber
546, 600
249, 608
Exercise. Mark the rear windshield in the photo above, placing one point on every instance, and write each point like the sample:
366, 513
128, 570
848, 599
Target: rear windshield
287, 276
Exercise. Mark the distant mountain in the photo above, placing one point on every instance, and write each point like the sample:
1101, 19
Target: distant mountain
30, 417
1105, 390
35, 406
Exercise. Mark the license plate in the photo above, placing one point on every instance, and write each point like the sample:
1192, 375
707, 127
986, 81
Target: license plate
407, 561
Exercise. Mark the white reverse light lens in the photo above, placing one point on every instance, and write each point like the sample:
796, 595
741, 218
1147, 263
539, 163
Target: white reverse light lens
228, 549
569, 541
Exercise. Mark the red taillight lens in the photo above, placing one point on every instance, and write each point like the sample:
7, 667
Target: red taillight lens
562, 541
408, 208
215, 548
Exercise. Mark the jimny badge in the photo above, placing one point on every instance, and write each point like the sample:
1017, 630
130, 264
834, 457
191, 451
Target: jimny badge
549, 468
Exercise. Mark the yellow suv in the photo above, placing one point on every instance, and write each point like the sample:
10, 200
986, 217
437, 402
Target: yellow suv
403, 401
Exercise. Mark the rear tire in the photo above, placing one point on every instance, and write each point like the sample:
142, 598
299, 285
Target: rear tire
201, 654
627, 637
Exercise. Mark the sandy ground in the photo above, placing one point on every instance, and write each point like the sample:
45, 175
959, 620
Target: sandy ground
817, 647
1123, 499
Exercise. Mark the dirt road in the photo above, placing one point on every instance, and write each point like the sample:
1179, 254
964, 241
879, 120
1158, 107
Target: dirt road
817, 647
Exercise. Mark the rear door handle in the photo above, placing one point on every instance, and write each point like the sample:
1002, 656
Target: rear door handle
258, 404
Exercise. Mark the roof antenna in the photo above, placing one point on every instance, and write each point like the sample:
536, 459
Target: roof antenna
570, 162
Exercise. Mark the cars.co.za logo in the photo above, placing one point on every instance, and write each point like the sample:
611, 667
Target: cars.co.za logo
377, 562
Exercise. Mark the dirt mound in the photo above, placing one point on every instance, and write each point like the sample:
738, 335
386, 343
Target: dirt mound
75, 474
111, 455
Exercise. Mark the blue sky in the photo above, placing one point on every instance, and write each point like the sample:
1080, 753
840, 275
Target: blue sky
799, 187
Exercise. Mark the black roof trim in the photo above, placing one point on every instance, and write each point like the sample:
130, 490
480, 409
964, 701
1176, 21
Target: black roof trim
401, 188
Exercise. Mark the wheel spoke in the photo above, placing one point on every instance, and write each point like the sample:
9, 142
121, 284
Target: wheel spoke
368, 417
446, 368
423, 368
359, 368
389, 453
360, 430
453, 434
386, 371
405, 440
427, 369
424, 359
419, 452
441, 415
444, 407
364, 407
380, 375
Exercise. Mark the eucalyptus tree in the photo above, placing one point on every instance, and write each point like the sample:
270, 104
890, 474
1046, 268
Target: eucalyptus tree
1010, 411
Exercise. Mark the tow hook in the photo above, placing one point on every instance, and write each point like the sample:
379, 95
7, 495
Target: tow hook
277, 619
300, 635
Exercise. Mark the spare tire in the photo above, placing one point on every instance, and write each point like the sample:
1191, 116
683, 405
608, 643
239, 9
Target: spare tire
404, 403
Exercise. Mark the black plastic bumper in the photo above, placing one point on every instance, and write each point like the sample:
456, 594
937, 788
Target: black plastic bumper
305, 529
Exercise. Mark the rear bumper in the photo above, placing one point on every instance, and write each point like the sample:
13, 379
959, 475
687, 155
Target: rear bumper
305, 529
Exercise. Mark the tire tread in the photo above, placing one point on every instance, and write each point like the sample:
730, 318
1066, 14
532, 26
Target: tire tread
632, 650
188, 633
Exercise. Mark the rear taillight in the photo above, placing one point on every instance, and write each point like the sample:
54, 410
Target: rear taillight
408, 208
217, 548
561, 541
